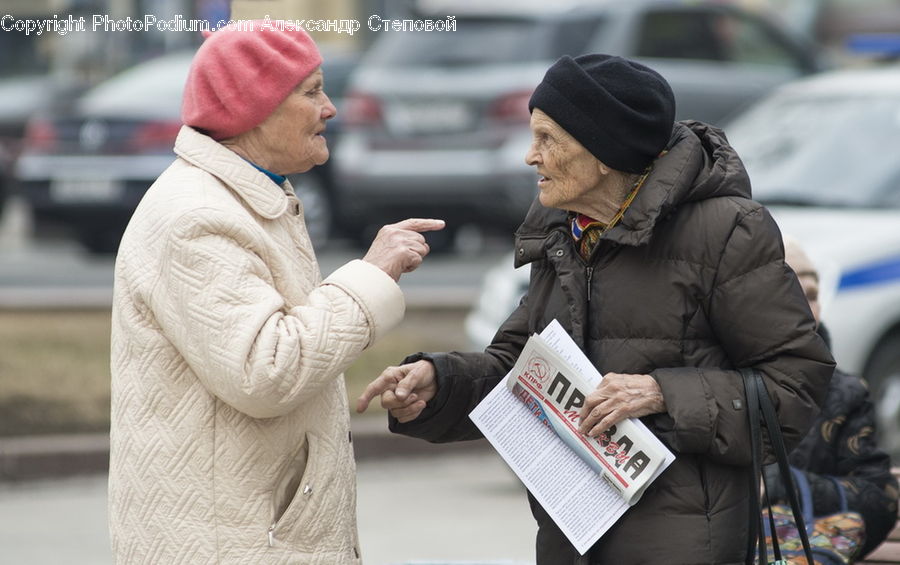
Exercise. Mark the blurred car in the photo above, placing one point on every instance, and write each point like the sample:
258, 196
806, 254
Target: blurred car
20, 96
87, 168
842, 22
6, 166
29, 83
848, 30
822, 156
436, 124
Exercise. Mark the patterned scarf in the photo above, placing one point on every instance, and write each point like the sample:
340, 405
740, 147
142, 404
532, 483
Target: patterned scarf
587, 231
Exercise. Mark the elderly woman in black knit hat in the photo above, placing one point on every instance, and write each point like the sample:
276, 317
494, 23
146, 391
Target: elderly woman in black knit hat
645, 245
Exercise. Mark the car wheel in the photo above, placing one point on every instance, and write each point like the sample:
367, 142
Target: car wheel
441, 241
317, 208
100, 241
883, 374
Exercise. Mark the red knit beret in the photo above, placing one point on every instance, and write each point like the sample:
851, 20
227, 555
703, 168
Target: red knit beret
242, 72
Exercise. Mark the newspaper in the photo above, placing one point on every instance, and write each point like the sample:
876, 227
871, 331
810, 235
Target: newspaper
627, 455
581, 502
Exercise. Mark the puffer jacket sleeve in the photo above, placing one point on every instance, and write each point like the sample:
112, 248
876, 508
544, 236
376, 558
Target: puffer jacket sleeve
216, 301
464, 379
758, 313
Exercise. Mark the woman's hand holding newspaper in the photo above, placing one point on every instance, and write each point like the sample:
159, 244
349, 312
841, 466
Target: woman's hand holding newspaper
617, 397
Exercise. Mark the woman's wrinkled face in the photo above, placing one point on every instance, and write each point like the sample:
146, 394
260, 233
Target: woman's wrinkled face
293, 133
569, 176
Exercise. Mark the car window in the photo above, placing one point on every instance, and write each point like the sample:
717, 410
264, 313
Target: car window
890, 192
336, 71
749, 41
827, 150
678, 35
866, 4
710, 36
153, 88
571, 37
22, 54
479, 41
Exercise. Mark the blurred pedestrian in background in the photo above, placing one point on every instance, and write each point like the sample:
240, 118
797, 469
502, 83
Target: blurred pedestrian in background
842, 441
230, 439
645, 245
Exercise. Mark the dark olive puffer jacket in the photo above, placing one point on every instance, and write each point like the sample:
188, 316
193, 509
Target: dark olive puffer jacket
689, 285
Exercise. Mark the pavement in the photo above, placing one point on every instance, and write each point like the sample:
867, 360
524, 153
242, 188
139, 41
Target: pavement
436, 510
418, 503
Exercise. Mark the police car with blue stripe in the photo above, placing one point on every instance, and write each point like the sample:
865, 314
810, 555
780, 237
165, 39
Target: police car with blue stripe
824, 156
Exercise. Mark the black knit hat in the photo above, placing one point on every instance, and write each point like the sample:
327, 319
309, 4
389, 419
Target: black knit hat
621, 111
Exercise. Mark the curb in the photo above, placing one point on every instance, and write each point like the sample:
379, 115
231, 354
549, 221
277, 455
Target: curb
41, 457
372, 440
58, 456
100, 297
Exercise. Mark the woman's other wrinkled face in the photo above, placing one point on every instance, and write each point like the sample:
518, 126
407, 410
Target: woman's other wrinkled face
292, 134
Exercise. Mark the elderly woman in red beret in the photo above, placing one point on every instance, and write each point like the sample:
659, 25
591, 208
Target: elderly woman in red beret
230, 439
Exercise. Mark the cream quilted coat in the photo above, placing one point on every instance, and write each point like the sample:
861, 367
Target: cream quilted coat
230, 438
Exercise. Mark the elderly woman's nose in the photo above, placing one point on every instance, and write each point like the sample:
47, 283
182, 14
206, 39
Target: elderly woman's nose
328, 111
532, 157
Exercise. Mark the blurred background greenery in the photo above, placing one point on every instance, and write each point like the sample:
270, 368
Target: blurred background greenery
54, 366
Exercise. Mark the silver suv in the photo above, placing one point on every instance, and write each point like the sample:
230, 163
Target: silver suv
436, 123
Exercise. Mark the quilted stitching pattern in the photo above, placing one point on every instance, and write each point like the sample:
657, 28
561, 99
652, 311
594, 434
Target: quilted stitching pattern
227, 354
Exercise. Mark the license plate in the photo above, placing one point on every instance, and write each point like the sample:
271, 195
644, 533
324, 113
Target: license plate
430, 117
85, 190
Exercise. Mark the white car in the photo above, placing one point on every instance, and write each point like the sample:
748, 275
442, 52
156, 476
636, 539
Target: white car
824, 156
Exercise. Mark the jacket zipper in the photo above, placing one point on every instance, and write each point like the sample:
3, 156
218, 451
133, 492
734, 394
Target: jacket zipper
272, 534
589, 271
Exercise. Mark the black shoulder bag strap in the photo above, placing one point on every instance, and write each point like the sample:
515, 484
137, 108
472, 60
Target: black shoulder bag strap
759, 404
755, 520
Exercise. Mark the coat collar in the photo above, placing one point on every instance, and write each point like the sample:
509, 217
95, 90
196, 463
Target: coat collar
251, 185
699, 164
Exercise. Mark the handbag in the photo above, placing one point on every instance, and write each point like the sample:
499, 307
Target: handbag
835, 539
760, 409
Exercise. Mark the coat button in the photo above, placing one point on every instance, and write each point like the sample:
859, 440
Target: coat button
295, 207
307, 489
521, 251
